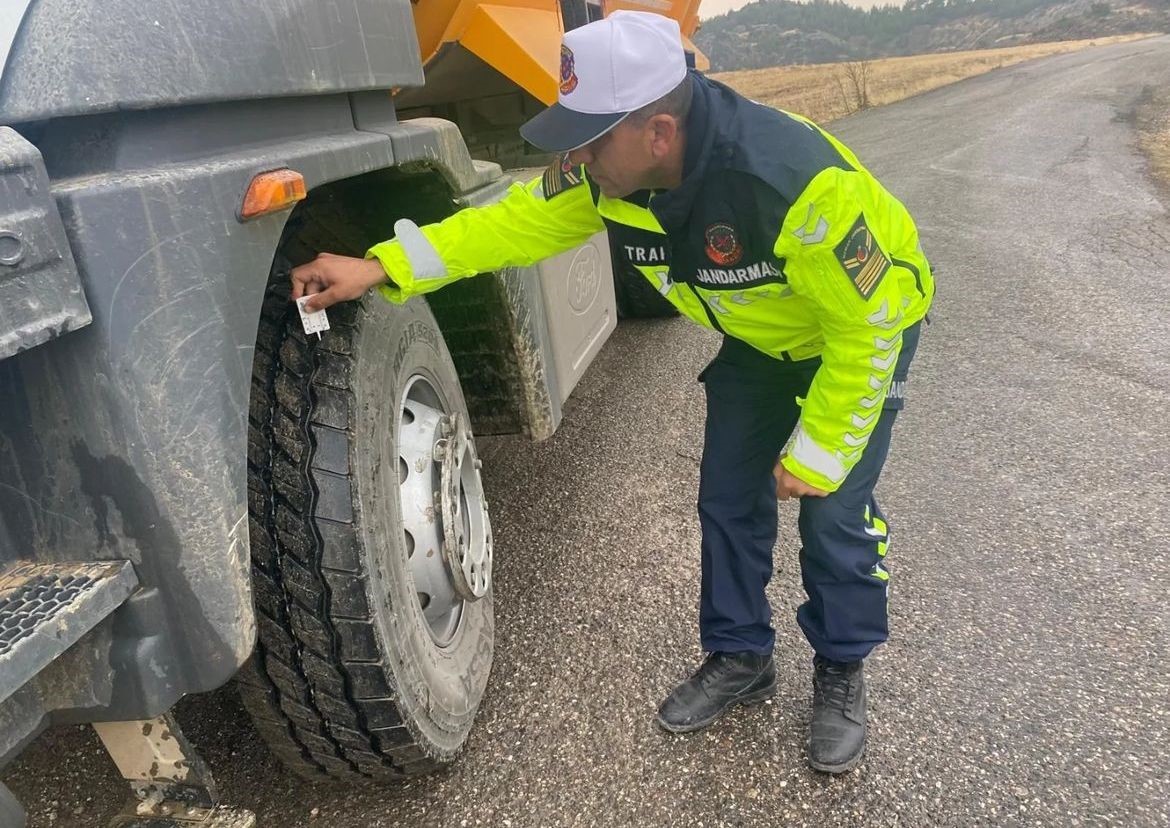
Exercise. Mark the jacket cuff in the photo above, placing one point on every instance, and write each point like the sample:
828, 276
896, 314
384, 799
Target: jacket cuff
397, 266
814, 464
408, 259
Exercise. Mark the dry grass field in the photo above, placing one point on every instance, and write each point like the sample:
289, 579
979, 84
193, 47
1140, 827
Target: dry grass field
824, 92
1153, 121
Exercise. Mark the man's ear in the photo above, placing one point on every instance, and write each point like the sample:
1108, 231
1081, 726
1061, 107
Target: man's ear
664, 133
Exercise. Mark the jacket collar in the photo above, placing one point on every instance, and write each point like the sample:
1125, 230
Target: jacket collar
673, 207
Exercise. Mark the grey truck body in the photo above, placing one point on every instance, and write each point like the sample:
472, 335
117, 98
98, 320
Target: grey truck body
130, 292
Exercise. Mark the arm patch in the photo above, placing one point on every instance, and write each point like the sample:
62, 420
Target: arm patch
864, 260
561, 176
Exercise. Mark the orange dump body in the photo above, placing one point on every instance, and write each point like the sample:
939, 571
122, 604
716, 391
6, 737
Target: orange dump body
519, 39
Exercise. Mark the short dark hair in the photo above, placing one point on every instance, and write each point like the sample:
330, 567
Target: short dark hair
676, 102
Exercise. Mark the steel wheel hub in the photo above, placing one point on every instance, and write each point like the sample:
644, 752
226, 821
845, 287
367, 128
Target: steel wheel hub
447, 531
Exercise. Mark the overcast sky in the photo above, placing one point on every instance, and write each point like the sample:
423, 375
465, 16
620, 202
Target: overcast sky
710, 8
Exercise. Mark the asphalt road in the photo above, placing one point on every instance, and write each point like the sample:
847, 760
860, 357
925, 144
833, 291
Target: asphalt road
1026, 682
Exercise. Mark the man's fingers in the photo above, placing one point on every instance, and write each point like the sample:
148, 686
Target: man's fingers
305, 279
318, 301
298, 289
325, 299
330, 279
305, 288
789, 485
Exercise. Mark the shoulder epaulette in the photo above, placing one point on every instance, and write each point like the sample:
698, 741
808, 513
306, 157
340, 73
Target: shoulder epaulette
561, 176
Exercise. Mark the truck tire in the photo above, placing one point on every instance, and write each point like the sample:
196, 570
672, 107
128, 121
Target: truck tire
364, 496
636, 297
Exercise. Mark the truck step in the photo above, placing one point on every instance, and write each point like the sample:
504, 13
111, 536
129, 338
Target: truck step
46, 607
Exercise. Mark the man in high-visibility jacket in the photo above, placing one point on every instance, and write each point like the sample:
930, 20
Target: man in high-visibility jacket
758, 224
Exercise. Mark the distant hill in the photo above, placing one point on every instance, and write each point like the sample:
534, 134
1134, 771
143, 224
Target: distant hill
778, 32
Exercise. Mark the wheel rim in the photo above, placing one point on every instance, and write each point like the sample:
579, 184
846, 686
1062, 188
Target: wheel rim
445, 523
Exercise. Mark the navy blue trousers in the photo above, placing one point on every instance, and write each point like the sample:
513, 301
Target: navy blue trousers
751, 413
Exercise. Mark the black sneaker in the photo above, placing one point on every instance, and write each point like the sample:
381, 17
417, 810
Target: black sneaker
724, 680
837, 739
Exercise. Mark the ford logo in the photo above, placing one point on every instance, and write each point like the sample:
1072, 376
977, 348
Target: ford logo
584, 279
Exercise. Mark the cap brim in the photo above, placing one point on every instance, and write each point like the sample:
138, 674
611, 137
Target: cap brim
560, 129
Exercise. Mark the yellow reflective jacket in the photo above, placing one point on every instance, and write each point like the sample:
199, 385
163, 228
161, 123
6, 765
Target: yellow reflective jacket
777, 236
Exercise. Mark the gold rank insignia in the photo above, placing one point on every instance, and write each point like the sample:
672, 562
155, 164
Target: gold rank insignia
560, 176
864, 261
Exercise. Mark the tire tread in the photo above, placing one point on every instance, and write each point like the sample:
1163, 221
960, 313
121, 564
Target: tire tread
317, 659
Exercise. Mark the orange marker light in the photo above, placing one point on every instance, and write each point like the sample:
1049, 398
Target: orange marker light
271, 192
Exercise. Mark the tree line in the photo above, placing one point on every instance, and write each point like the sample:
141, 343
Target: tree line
771, 32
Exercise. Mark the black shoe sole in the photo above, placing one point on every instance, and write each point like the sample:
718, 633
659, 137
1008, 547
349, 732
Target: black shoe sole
747, 698
844, 767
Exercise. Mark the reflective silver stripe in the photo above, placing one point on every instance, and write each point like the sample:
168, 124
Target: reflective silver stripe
881, 317
816, 235
884, 362
806, 452
716, 303
664, 285
862, 422
877, 385
425, 261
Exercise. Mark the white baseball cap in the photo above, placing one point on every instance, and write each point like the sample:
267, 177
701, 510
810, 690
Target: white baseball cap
609, 68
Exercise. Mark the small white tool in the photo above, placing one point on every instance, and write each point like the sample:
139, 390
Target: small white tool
314, 322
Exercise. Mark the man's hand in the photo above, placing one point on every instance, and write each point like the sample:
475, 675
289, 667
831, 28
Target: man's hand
789, 485
335, 279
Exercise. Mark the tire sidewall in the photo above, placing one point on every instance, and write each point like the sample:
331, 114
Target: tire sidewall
439, 688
